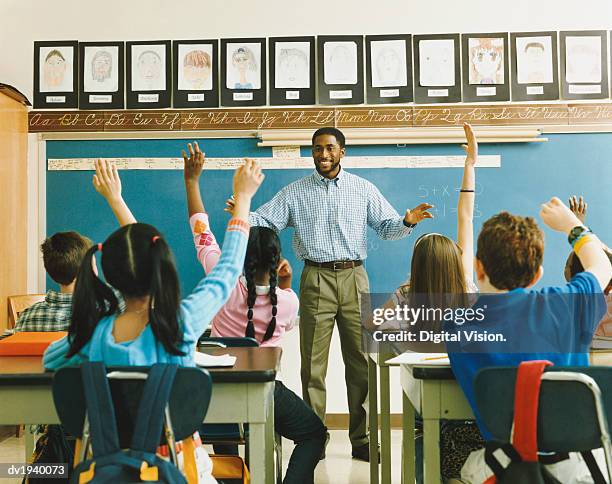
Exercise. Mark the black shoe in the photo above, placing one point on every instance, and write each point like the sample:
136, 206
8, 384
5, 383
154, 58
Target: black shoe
325, 446
363, 453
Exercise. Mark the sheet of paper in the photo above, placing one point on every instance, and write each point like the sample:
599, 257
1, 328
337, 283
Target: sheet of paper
534, 60
284, 162
243, 66
388, 63
101, 69
148, 67
583, 59
486, 60
56, 64
286, 152
292, 65
340, 62
421, 359
209, 361
195, 64
437, 62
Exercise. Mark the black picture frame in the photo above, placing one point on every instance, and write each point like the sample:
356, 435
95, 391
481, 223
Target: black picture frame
431, 93
196, 97
390, 92
534, 91
105, 97
488, 91
141, 96
340, 93
57, 97
584, 90
244, 96
292, 95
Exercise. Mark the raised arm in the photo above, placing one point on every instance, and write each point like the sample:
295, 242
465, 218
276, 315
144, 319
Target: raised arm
213, 291
107, 183
588, 248
465, 207
191, 172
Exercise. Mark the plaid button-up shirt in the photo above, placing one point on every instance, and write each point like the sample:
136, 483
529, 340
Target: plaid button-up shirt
331, 217
52, 314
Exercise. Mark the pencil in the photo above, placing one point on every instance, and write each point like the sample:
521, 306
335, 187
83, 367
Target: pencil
435, 358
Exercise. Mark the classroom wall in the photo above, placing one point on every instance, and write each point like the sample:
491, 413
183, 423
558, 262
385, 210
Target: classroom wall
24, 21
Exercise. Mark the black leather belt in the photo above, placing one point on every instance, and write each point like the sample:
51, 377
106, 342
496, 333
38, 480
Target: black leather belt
335, 265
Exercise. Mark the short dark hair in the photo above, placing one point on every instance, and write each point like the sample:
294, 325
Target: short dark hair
511, 249
335, 132
63, 253
573, 266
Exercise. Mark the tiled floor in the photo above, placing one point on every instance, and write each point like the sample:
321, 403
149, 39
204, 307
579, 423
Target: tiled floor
337, 468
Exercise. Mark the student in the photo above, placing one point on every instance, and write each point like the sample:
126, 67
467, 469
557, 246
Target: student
573, 266
156, 326
63, 253
554, 323
262, 306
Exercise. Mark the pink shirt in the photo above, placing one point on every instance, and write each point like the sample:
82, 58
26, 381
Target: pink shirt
231, 320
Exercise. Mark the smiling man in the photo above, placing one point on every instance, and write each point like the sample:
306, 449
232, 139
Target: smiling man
331, 210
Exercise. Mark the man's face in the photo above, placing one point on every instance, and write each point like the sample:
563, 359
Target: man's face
327, 154
102, 67
55, 68
149, 66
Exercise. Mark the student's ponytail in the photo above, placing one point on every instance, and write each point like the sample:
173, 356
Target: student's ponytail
91, 301
165, 294
273, 299
250, 271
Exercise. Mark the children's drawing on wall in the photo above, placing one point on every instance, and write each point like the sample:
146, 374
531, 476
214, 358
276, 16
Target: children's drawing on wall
340, 63
292, 65
195, 67
534, 60
437, 62
148, 67
243, 66
583, 59
101, 72
56, 65
388, 63
486, 60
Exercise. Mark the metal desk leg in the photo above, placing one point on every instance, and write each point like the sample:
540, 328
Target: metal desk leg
431, 451
385, 426
408, 442
373, 418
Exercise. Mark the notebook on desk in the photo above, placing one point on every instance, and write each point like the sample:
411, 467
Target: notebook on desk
32, 343
211, 361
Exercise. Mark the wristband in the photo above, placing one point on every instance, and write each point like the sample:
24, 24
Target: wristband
582, 240
410, 226
467, 191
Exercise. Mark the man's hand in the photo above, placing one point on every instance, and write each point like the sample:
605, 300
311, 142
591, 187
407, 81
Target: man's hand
284, 269
106, 181
558, 216
193, 164
579, 207
471, 149
418, 213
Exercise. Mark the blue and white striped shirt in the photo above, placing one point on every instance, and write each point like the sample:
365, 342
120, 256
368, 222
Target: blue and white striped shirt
331, 217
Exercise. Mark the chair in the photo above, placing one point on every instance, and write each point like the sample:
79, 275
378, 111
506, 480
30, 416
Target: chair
575, 407
16, 304
233, 434
187, 407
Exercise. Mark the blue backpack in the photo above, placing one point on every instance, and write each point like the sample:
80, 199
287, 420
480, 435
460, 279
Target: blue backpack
139, 463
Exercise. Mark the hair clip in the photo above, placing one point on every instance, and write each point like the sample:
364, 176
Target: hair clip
154, 239
100, 246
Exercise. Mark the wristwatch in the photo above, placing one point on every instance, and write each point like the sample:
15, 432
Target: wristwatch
410, 226
576, 233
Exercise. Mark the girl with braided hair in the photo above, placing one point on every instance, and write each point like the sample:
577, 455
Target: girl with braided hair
261, 306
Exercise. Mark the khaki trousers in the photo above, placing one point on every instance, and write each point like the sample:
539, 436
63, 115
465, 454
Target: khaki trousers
328, 296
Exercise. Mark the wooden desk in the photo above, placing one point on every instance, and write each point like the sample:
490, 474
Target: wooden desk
243, 393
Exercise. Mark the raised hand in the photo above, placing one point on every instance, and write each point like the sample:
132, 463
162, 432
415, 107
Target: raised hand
579, 207
558, 216
471, 149
247, 179
284, 269
418, 213
230, 205
194, 163
106, 181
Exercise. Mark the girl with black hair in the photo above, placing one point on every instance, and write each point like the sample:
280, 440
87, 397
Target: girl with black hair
262, 306
156, 327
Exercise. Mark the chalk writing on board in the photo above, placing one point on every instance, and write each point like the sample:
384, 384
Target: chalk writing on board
270, 163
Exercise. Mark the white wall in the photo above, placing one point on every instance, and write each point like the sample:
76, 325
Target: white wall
24, 21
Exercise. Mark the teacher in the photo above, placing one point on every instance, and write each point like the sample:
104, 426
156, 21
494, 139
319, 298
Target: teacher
331, 210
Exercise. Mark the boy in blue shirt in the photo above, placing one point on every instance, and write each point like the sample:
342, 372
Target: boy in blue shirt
553, 323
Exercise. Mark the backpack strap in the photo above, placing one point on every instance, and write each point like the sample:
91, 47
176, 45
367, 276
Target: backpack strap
152, 406
591, 463
100, 409
526, 399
